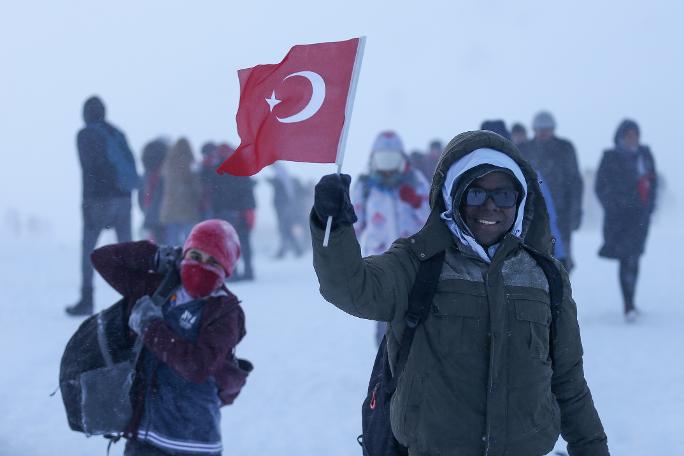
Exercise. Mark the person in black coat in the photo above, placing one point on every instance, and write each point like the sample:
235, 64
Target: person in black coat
105, 204
626, 185
555, 159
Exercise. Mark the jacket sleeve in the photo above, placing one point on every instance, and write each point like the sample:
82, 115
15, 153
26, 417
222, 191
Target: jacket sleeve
221, 329
602, 186
580, 423
374, 288
231, 378
128, 267
653, 202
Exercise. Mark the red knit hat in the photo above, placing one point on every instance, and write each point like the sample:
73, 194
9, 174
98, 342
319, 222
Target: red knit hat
217, 238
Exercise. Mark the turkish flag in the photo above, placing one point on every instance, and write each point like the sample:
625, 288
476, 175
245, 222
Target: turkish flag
296, 110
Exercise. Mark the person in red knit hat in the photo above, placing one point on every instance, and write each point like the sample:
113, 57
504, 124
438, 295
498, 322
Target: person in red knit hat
188, 368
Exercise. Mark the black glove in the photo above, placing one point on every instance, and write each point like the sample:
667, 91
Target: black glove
167, 258
331, 198
245, 365
144, 312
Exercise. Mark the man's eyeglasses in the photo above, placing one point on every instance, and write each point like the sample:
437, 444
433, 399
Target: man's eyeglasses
504, 198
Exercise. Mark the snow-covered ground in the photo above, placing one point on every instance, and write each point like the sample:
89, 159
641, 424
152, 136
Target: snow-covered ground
312, 361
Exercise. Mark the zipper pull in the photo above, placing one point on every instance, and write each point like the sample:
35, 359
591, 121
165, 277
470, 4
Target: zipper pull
373, 401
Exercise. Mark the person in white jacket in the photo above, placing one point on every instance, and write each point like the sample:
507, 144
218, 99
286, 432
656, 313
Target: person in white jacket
390, 201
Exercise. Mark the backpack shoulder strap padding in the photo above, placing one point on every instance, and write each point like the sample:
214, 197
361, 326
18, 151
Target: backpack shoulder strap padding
553, 277
555, 280
420, 301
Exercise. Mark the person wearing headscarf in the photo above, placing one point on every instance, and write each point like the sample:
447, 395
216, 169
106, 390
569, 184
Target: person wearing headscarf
626, 185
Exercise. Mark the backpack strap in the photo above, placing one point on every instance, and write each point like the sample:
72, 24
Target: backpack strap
555, 280
420, 302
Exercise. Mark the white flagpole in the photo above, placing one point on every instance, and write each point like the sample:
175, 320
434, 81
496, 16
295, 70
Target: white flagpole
347, 118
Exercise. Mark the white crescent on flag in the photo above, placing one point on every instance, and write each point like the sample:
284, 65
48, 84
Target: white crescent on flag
314, 104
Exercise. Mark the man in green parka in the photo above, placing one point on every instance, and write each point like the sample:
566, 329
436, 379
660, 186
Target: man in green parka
496, 367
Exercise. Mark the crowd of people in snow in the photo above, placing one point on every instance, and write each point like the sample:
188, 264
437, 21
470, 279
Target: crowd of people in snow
174, 192
483, 227
390, 197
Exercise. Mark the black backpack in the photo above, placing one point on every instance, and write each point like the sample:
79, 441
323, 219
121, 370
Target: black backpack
377, 438
98, 368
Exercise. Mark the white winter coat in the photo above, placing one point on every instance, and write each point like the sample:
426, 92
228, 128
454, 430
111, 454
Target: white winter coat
383, 216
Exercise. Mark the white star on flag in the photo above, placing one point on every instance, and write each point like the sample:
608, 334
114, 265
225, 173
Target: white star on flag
272, 102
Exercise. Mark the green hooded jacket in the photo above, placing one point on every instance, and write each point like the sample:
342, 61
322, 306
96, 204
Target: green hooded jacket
483, 376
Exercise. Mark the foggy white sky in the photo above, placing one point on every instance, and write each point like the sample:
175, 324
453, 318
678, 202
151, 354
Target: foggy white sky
431, 69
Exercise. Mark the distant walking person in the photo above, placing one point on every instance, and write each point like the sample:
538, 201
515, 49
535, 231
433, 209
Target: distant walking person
181, 197
518, 134
285, 192
556, 160
427, 163
109, 177
391, 201
207, 173
498, 126
152, 188
626, 185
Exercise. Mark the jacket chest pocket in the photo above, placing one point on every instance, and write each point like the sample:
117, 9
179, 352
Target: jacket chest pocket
460, 319
532, 322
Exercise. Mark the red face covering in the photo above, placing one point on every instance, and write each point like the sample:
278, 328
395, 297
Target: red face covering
200, 280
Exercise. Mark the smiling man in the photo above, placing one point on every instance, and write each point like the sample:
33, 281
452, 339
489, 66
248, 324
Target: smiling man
495, 363
489, 207
481, 194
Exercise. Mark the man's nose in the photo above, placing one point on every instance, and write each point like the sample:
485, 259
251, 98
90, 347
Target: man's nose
489, 203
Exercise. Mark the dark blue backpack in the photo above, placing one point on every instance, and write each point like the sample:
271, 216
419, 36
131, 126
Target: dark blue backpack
121, 158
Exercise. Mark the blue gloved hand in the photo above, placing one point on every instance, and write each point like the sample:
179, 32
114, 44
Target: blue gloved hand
144, 312
331, 198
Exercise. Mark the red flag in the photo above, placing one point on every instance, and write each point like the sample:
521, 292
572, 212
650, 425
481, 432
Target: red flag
296, 110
